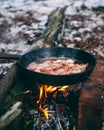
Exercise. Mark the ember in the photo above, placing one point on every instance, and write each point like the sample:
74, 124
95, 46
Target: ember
59, 118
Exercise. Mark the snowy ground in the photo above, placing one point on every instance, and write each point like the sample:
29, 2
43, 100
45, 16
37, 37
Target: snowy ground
22, 21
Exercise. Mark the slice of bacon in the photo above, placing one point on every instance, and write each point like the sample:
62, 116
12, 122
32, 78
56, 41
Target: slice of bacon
58, 67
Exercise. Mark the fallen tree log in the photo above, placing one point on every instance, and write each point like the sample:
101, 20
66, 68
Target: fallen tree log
11, 86
91, 101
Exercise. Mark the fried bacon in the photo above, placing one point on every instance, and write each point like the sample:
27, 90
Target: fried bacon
57, 67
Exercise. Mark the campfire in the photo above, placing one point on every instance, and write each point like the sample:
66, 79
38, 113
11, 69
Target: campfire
45, 92
50, 108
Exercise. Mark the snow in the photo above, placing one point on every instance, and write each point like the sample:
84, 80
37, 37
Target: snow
99, 50
70, 11
86, 29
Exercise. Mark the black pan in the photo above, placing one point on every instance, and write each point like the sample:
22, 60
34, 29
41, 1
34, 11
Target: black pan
41, 54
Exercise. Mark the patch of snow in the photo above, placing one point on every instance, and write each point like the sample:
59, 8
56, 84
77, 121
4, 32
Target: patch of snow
4, 67
45, 10
82, 30
75, 23
93, 3
78, 4
71, 11
14, 48
100, 51
42, 18
58, 3
42, 24
78, 39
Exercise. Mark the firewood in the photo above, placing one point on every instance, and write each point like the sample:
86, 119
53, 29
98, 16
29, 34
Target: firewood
11, 80
10, 115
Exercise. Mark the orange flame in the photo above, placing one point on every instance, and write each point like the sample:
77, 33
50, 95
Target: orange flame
43, 95
45, 111
40, 95
63, 88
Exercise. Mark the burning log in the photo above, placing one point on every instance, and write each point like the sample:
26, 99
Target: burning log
11, 78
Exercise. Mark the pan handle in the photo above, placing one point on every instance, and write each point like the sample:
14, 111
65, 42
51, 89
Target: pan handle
10, 56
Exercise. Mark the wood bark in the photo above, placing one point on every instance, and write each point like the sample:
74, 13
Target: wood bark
91, 101
11, 86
